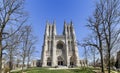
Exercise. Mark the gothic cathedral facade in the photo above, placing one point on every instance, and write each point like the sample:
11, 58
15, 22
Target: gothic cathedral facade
60, 50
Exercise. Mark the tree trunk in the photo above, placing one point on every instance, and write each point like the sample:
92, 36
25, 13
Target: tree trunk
23, 64
11, 63
17, 63
109, 61
28, 62
94, 59
102, 65
0, 52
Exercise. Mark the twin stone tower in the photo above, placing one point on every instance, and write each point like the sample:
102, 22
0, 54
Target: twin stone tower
59, 50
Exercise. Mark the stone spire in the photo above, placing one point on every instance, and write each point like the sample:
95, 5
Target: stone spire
45, 46
46, 29
54, 46
54, 27
66, 43
75, 45
73, 31
65, 28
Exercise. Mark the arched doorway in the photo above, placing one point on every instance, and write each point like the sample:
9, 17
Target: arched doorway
60, 61
72, 61
48, 61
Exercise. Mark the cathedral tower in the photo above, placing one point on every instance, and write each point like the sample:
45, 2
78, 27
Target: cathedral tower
59, 50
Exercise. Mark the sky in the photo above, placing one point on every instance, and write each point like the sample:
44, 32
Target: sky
76, 11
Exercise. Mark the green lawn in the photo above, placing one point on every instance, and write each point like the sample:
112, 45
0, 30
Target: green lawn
45, 70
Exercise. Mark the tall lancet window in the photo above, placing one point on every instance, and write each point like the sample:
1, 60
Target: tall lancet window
48, 45
49, 30
71, 32
67, 30
69, 45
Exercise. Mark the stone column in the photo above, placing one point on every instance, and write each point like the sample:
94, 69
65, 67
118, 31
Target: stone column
77, 56
45, 47
54, 47
75, 47
50, 39
66, 44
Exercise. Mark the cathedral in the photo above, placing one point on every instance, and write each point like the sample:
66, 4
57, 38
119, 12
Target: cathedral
60, 50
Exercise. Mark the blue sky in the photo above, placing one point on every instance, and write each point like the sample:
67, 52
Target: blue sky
59, 10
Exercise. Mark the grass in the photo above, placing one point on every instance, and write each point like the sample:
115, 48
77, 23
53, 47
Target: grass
106, 71
45, 70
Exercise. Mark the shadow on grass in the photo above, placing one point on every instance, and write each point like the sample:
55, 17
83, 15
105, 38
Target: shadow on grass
82, 70
45, 70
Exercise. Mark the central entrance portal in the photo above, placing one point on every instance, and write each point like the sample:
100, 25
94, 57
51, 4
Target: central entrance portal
60, 61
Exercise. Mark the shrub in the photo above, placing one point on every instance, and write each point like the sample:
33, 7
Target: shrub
6, 69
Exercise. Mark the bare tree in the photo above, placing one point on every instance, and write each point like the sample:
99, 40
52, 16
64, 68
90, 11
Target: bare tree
110, 14
24, 44
90, 48
96, 39
11, 13
31, 51
104, 25
28, 42
31, 45
11, 49
12, 43
94, 53
86, 53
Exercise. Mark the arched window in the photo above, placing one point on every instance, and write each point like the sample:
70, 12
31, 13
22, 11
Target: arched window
60, 45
